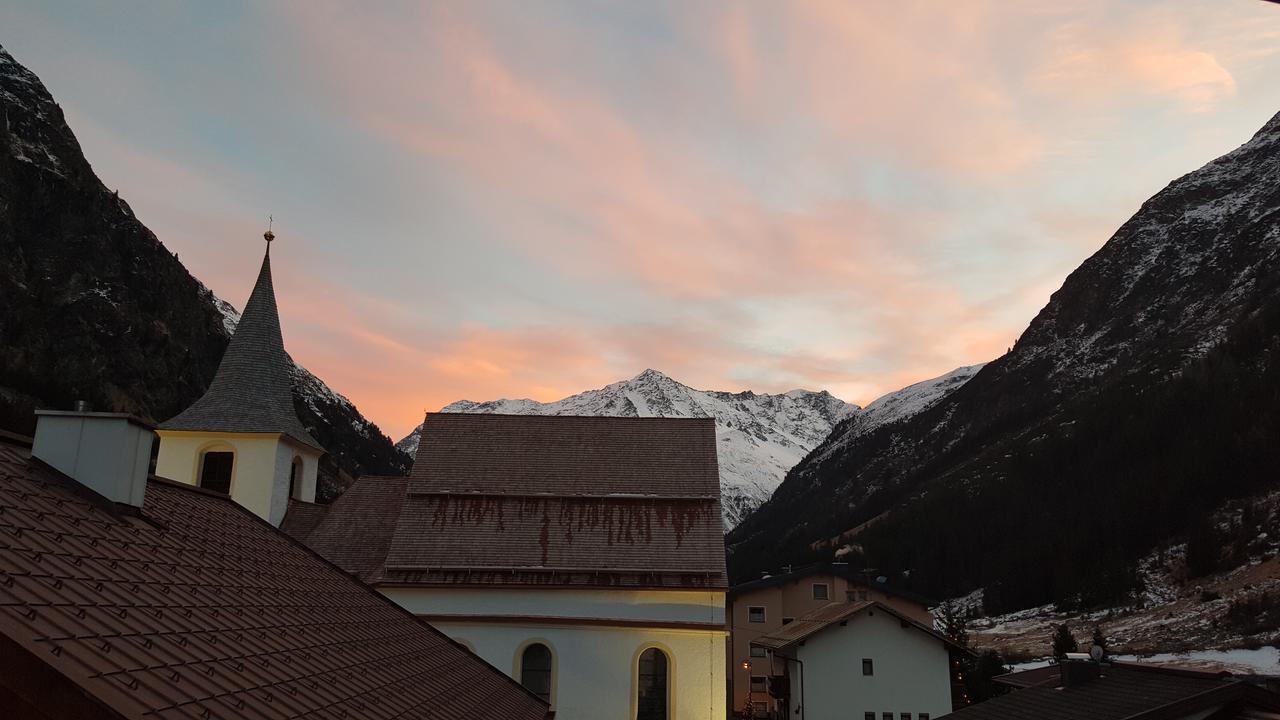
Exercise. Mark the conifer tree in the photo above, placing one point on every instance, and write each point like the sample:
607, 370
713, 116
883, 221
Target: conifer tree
1063, 642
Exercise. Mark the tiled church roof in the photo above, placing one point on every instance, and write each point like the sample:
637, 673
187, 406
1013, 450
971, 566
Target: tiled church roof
193, 607
251, 392
548, 501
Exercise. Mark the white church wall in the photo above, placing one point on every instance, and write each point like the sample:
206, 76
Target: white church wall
254, 474
596, 666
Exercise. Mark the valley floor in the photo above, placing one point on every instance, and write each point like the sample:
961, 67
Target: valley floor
1209, 622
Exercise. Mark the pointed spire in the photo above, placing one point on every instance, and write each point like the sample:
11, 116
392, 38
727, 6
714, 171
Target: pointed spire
252, 390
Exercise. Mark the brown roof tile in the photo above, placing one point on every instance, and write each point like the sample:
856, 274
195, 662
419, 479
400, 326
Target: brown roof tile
566, 455
194, 607
520, 500
1125, 690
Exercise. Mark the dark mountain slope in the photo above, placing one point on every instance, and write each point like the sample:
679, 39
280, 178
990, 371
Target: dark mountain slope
93, 307
987, 487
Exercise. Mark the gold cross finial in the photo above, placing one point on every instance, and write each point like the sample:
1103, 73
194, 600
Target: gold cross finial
268, 235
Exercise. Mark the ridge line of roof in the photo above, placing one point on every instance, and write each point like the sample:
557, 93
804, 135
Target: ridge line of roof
561, 496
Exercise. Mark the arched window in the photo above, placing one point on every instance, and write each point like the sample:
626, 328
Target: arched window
295, 478
651, 685
215, 470
535, 670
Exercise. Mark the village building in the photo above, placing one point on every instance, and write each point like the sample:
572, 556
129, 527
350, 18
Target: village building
584, 556
242, 437
129, 596
860, 659
761, 607
1080, 688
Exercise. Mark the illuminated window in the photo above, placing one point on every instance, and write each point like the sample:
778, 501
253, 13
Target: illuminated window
755, 614
821, 591
651, 685
215, 471
535, 670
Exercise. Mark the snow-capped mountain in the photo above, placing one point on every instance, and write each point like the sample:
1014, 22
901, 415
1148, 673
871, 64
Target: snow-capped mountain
760, 436
1140, 388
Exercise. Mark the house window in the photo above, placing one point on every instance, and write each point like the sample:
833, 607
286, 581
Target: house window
757, 651
215, 471
868, 716
886, 716
758, 684
295, 478
867, 668
535, 670
924, 716
755, 614
651, 684
787, 620
904, 716
821, 591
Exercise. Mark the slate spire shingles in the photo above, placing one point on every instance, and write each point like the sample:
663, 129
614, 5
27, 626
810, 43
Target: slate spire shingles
251, 392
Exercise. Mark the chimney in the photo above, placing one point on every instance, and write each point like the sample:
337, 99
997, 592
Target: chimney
109, 453
1078, 669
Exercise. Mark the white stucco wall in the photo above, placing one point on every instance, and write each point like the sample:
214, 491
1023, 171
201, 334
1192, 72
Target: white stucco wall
595, 662
259, 475
911, 670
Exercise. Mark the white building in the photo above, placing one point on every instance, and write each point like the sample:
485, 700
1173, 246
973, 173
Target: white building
855, 661
584, 556
242, 437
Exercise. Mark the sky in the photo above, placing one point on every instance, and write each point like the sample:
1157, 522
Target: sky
481, 199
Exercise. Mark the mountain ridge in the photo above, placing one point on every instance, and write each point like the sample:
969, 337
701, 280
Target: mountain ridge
1195, 264
98, 309
759, 435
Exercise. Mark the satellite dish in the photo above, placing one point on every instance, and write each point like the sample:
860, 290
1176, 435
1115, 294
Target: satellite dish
1096, 652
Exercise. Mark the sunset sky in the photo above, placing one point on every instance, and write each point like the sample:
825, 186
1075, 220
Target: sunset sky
529, 199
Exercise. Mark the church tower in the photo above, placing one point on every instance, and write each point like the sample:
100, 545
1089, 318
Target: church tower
242, 437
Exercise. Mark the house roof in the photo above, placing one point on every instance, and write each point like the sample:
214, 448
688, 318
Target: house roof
857, 577
815, 621
547, 501
301, 517
191, 606
357, 529
1125, 690
252, 391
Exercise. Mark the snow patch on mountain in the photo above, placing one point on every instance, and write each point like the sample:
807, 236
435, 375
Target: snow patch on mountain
896, 406
760, 437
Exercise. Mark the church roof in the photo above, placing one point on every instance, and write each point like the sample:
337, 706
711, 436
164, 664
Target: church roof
252, 392
191, 606
559, 501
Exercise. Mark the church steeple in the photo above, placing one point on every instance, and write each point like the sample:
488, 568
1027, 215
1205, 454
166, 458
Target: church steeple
250, 400
251, 391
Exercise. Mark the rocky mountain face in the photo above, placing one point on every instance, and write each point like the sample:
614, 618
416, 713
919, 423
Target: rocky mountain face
760, 436
1135, 402
93, 307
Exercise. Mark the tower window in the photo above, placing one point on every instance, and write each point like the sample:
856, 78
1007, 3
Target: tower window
215, 471
295, 478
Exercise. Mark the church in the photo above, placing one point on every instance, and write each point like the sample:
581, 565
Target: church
582, 556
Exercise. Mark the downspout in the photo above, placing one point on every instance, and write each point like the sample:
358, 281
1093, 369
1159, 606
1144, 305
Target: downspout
799, 662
